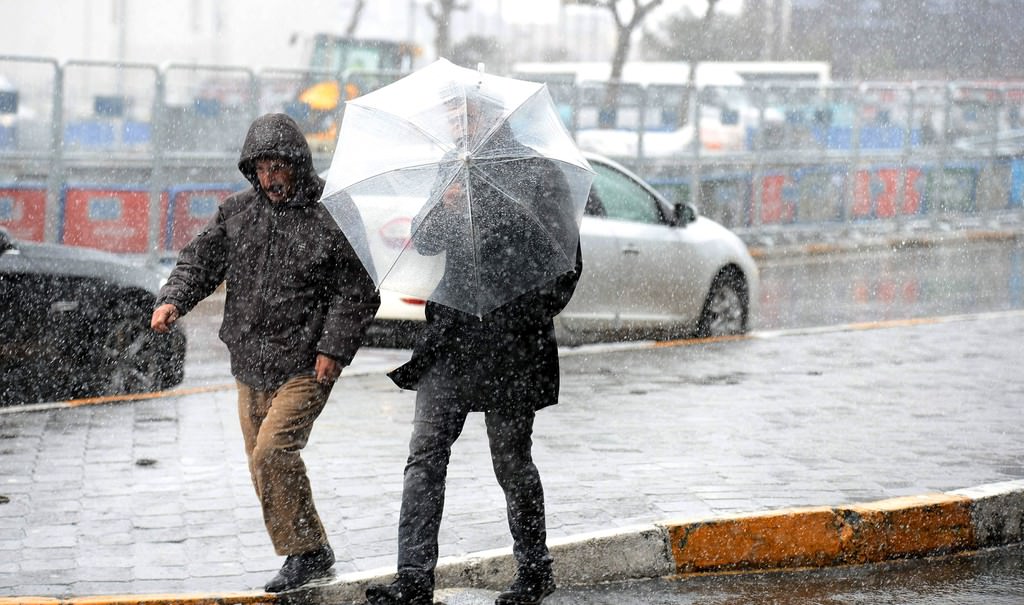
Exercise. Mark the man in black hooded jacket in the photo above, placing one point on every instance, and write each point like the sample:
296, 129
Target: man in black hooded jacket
298, 304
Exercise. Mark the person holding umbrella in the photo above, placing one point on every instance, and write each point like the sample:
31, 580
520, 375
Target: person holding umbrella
503, 362
493, 188
298, 304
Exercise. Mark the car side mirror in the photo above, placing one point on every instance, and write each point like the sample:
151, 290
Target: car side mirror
683, 214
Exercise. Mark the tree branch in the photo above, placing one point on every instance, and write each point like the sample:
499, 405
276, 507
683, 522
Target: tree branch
353, 21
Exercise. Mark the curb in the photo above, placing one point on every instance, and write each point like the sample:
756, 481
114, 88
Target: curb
964, 520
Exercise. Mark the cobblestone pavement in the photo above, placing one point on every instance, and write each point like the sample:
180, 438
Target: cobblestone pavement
153, 496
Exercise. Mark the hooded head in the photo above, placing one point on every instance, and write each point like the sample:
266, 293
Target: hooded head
275, 141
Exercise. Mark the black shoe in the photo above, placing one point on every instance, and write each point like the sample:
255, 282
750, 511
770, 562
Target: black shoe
530, 587
299, 569
404, 590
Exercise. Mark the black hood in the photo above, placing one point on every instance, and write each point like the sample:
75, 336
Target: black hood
277, 136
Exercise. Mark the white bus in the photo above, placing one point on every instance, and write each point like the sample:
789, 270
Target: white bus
726, 107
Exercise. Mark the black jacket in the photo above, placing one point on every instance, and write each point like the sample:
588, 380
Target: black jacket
507, 359
294, 286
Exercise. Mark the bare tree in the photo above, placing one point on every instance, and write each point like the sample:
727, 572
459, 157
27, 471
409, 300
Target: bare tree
628, 17
693, 39
353, 21
474, 50
624, 27
700, 44
725, 38
440, 12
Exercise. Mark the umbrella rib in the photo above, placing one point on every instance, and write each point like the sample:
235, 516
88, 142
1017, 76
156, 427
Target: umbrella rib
412, 233
476, 249
402, 120
378, 175
526, 209
513, 159
405, 248
497, 125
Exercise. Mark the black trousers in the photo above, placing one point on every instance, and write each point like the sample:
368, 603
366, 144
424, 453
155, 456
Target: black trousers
441, 412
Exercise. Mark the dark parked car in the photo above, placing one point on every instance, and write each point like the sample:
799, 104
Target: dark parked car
74, 322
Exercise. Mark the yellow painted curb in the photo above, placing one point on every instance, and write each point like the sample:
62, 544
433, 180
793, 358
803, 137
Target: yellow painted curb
818, 249
908, 527
104, 399
992, 236
824, 536
798, 537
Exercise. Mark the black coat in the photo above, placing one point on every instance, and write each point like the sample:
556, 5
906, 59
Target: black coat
294, 286
506, 360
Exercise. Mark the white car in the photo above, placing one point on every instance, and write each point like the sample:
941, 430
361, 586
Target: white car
650, 270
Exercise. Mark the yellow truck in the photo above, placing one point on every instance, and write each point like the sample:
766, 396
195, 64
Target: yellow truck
343, 68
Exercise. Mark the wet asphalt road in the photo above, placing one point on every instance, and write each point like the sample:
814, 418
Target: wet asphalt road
990, 578
884, 285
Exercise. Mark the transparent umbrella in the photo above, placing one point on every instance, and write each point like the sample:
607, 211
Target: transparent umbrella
459, 187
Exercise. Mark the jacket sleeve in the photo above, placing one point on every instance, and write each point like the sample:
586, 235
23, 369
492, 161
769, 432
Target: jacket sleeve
430, 227
543, 303
201, 267
556, 294
434, 222
547, 301
354, 301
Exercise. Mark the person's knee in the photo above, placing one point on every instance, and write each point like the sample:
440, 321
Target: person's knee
428, 459
269, 456
429, 446
515, 469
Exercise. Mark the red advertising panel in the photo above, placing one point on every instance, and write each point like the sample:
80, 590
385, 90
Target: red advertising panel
108, 218
877, 194
191, 208
23, 211
776, 203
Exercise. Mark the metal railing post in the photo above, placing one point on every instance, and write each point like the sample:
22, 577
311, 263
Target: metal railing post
905, 159
939, 183
756, 185
158, 172
55, 170
854, 164
695, 192
641, 128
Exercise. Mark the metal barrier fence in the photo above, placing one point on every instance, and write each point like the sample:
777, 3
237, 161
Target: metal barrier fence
135, 157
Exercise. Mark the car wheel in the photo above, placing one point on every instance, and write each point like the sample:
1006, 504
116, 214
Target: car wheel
725, 310
127, 362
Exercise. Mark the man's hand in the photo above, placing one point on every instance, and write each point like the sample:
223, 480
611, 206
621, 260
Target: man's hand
327, 370
164, 317
453, 196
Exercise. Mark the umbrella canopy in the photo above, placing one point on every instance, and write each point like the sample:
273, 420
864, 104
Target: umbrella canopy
459, 187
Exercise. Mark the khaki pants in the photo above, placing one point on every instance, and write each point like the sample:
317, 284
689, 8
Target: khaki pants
275, 428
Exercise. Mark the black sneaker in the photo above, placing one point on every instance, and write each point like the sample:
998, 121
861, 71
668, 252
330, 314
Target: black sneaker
529, 588
404, 590
299, 569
